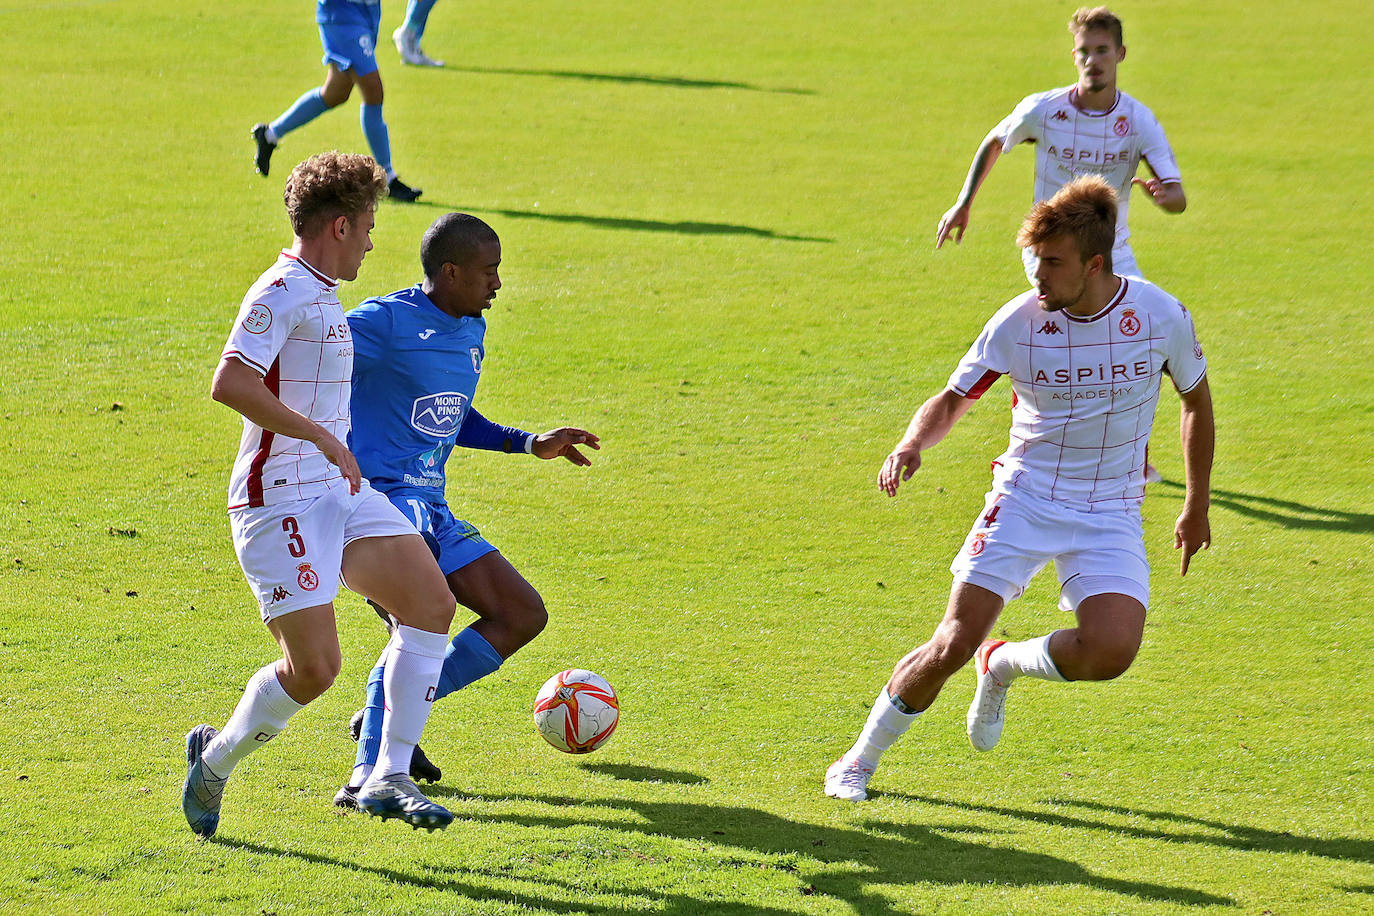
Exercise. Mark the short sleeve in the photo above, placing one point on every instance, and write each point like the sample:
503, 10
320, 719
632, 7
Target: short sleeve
1155, 150
1183, 353
986, 361
370, 326
1021, 125
265, 320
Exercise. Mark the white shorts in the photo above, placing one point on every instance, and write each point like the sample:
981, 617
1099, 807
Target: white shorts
1094, 553
1123, 263
292, 552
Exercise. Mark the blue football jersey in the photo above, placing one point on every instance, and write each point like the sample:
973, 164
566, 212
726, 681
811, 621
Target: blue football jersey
415, 370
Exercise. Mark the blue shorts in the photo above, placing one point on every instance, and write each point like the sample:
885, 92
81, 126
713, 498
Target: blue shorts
349, 37
455, 542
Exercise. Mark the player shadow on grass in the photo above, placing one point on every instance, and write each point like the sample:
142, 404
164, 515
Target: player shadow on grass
645, 774
1285, 512
428, 876
1229, 836
683, 227
675, 82
853, 865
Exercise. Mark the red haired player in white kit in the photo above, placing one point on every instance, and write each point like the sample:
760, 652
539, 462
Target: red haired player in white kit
1085, 351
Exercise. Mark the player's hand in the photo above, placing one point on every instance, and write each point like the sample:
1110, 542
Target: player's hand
1192, 532
1154, 187
339, 456
563, 442
899, 466
954, 221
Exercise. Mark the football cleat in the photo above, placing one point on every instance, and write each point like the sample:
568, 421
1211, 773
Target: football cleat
347, 798
263, 159
397, 796
401, 192
847, 779
987, 712
408, 43
203, 791
422, 769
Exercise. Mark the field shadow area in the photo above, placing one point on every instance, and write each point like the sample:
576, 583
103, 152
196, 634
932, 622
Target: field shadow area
671, 82
645, 774
1286, 512
855, 864
631, 224
1213, 833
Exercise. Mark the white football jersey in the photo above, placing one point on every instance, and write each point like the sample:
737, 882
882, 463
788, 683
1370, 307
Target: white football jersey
1071, 142
291, 328
1085, 391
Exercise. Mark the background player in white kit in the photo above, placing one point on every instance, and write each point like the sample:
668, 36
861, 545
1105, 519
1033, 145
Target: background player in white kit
301, 514
1089, 128
1085, 351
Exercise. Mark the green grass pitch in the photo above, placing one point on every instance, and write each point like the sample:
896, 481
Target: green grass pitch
718, 221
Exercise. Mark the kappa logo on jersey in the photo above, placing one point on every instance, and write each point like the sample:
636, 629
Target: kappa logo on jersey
476, 360
1130, 325
258, 319
279, 594
439, 414
978, 544
1122, 127
307, 578
277, 282
426, 334
1050, 327
1061, 115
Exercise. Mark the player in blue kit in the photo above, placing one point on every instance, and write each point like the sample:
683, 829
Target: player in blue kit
348, 31
417, 360
408, 36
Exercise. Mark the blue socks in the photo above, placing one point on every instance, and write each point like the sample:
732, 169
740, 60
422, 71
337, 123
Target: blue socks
306, 109
374, 128
469, 658
417, 14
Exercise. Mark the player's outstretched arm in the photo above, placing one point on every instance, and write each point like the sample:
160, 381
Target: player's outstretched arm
1167, 195
239, 386
955, 220
935, 418
1197, 428
563, 442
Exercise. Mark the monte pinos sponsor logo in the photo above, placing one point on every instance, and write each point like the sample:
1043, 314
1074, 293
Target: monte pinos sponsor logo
439, 414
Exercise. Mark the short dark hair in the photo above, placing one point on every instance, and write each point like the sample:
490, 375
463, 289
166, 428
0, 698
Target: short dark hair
455, 238
1096, 17
330, 185
1085, 210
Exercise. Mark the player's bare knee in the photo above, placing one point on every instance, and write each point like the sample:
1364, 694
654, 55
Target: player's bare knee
531, 619
432, 612
311, 678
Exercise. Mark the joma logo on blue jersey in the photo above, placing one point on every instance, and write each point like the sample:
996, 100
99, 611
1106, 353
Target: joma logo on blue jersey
439, 414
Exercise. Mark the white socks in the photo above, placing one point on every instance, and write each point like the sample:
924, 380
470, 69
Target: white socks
413, 661
886, 723
1032, 657
260, 716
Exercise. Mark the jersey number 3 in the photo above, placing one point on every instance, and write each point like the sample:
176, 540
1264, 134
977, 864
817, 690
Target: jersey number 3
294, 545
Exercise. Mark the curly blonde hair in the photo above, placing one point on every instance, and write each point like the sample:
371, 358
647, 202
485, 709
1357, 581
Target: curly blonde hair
1085, 210
330, 185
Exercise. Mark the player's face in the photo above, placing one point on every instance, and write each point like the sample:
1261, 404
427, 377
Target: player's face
1096, 54
357, 242
475, 283
1061, 276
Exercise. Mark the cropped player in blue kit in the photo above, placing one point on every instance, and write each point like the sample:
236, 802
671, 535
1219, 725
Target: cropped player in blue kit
348, 32
417, 360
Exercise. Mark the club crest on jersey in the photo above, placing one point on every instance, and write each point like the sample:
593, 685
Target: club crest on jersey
439, 414
307, 578
977, 545
1049, 327
1130, 325
258, 319
476, 360
1122, 127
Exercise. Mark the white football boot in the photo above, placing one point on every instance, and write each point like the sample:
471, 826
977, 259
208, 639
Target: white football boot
987, 712
847, 779
408, 43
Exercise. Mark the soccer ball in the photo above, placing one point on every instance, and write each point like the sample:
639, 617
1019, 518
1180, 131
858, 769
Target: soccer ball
576, 711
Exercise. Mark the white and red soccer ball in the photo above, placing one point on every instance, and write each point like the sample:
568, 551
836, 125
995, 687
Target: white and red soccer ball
576, 711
